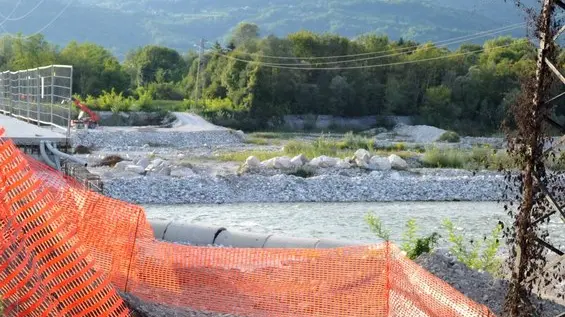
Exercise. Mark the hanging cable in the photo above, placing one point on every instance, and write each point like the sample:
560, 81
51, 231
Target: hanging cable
462, 38
399, 52
361, 66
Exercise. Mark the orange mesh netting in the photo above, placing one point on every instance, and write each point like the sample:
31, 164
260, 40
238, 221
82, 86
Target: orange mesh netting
65, 251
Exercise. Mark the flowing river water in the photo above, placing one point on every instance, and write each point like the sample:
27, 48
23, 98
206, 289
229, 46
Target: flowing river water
346, 221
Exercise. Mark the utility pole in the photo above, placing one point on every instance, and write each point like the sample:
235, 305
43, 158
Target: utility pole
197, 84
532, 138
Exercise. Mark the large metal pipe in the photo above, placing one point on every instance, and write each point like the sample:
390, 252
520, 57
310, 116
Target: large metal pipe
201, 235
44, 155
66, 156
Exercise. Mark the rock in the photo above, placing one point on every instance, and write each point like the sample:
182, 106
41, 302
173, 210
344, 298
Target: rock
282, 162
378, 163
122, 165
397, 162
324, 161
299, 160
157, 162
144, 162
240, 134
80, 149
182, 173
361, 163
135, 169
343, 164
252, 162
165, 171
111, 160
362, 155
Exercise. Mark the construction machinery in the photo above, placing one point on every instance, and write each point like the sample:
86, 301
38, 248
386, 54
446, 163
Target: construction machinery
87, 119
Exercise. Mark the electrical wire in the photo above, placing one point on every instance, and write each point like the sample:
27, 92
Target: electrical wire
360, 66
462, 38
48, 24
5, 18
399, 52
25, 15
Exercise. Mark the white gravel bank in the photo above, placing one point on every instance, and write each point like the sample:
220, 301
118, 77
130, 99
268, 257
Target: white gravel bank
376, 186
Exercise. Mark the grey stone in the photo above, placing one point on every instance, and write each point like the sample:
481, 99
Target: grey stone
252, 162
379, 164
144, 162
363, 155
135, 169
323, 161
397, 162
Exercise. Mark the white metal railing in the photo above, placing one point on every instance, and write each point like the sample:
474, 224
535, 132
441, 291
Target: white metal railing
39, 94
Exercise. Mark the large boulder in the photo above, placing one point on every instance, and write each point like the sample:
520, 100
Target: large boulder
299, 160
252, 162
135, 169
157, 162
362, 155
164, 171
397, 162
144, 162
282, 162
324, 161
121, 166
378, 163
343, 164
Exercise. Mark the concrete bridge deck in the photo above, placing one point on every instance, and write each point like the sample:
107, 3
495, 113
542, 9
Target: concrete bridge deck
26, 134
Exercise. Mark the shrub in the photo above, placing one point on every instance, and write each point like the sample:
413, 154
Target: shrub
443, 158
144, 101
413, 245
480, 255
450, 137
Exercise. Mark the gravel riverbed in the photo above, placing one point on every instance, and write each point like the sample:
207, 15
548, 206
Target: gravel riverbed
421, 185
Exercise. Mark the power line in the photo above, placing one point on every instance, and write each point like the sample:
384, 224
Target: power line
402, 51
462, 38
25, 15
361, 66
9, 15
48, 24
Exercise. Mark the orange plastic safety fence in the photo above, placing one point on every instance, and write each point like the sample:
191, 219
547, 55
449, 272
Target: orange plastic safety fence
63, 245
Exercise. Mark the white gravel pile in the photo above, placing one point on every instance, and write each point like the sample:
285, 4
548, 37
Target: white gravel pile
134, 140
419, 133
371, 187
478, 286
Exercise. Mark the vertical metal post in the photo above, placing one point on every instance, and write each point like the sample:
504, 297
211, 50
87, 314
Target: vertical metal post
52, 92
69, 105
38, 96
19, 93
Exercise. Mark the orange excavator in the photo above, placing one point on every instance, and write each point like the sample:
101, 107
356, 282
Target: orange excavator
86, 118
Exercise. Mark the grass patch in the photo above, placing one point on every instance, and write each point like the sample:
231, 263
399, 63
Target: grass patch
476, 158
243, 155
169, 105
437, 158
257, 141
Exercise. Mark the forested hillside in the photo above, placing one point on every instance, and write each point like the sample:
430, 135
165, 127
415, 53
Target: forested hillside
465, 89
124, 24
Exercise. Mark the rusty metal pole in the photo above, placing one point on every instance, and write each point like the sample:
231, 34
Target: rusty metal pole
517, 292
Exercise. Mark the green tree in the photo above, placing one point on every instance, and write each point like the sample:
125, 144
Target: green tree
145, 64
95, 69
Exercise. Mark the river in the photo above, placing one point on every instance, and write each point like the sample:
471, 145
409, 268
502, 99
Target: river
345, 221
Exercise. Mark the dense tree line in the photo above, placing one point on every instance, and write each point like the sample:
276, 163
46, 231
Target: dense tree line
465, 89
